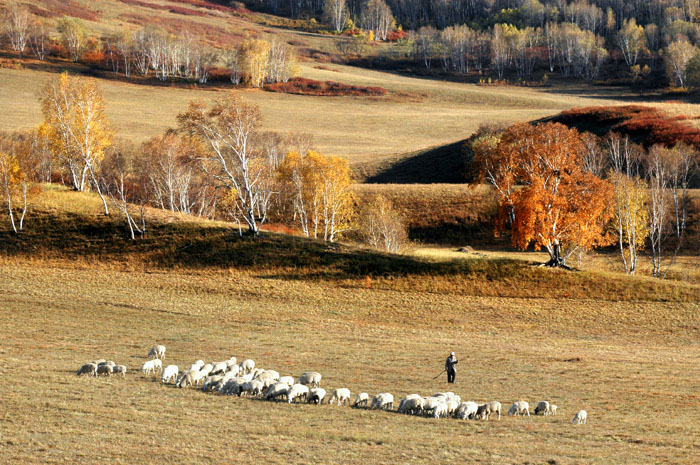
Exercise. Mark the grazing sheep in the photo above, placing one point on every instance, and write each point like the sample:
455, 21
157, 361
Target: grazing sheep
206, 370
257, 372
383, 401
232, 386
484, 411
553, 409
235, 369
169, 374
104, 370
252, 388
186, 379
247, 366
89, 369
157, 352
210, 382
580, 417
196, 366
297, 391
467, 410
412, 403
542, 408
231, 362
273, 373
288, 380
519, 408
441, 410
341, 396
430, 404
119, 369
97, 362
219, 368
316, 396
310, 378
108, 363
361, 400
149, 367
276, 391
453, 404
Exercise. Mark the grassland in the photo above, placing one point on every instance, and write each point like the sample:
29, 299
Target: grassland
630, 361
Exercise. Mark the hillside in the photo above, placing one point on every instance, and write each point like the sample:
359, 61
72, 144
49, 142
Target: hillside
65, 227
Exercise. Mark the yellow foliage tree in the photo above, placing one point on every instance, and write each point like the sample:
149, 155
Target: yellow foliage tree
319, 189
631, 217
16, 170
77, 127
254, 54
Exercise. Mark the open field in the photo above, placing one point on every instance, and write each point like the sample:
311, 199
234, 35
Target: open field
642, 398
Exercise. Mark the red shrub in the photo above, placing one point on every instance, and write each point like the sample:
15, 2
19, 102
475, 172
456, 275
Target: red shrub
58, 8
93, 58
395, 36
645, 124
304, 86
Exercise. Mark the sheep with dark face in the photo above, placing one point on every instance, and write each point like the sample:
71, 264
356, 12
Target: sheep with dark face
361, 400
119, 369
157, 352
519, 408
580, 418
316, 396
104, 369
484, 411
89, 369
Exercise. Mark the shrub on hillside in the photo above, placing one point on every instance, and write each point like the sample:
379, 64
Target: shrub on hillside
304, 86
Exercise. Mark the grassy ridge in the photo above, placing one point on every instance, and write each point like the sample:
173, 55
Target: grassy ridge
65, 226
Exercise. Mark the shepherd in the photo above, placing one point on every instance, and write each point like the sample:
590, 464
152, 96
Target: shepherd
450, 367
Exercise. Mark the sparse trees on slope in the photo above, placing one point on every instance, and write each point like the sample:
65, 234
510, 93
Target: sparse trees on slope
18, 27
677, 56
336, 14
77, 128
558, 204
631, 41
73, 36
18, 173
382, 227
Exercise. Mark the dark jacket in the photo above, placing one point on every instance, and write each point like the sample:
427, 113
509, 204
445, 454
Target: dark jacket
450, 363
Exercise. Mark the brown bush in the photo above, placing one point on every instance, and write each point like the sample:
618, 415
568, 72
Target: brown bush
304, 86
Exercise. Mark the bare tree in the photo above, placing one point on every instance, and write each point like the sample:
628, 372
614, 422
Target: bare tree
382, 227
659, 205
18, 27
336, 14
39, 38
123, 180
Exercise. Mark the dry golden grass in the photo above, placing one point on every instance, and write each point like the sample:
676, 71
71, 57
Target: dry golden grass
632, 364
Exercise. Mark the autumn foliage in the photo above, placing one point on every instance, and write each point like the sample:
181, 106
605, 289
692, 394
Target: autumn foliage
544, 194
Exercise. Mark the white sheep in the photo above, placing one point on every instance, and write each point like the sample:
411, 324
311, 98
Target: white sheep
467, 410
430, 404
157, 352
149, 367
276, 391
119, 369
453, 404
383, 401
341, 396
252, 388
206, 370
196, 366
273, 373
310, 378
412, 403
169, 374
519, 408
89, 369
361, 400
235, 369
316, 396
288, 380
553, 409
232, 362
580, 417
186, 379
210, 382
297, 391
484, 411
232, 387
247, 366
219, 368
441, 411
256, 372
108, 363
97, 362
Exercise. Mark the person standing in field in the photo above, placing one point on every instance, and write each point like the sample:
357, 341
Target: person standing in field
450, 367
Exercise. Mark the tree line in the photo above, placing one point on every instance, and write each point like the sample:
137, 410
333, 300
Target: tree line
568, 192
150, 51
217, 163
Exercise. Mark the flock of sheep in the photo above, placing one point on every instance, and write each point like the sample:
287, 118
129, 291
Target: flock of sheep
229, 377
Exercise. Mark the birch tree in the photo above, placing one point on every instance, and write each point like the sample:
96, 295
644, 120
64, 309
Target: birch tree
336, 14
228, 131
18, 27
77, 127
73, 36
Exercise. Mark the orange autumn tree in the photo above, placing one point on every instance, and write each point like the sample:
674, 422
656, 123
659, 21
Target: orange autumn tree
545, 195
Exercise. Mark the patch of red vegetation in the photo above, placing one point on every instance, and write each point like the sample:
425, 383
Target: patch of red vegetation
279, 228
646, 125
207, 5
215, 36
171, 9
59, 8
304, 86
